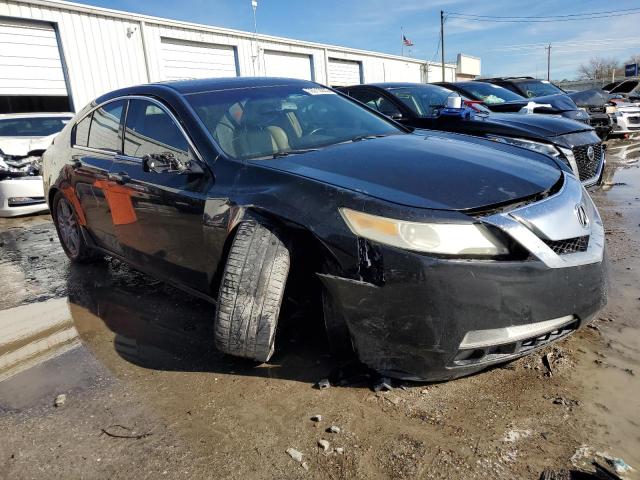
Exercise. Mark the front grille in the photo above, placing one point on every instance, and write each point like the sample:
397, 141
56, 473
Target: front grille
599, 109
634, 119
569, 245
497, 353
588, 168
597, 122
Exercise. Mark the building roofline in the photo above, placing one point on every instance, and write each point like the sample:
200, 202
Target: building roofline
137, 17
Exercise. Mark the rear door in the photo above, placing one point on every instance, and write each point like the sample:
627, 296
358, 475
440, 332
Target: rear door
158, 217
97, 140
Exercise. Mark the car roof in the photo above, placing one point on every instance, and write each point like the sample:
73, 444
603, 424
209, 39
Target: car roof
388, 85
9, 116
188, 87
507, 79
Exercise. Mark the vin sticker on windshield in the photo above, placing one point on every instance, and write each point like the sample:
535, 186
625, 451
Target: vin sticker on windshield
318, 91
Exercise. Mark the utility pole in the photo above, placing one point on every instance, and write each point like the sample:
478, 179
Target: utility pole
442, 41
548, 49
255, 48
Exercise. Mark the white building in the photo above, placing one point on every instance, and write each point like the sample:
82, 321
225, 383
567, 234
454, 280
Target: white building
57, 55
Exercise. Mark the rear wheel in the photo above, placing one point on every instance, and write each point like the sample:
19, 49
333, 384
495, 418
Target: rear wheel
251, 292
69, 233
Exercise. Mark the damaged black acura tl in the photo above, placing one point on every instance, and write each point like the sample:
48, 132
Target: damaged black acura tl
435, 255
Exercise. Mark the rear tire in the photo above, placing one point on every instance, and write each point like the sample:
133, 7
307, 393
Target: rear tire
251, 292
69, 231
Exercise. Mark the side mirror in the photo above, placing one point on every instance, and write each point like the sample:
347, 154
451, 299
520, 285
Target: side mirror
393, 115
166, 162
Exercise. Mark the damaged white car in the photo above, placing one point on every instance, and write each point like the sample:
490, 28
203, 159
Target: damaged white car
626, 118
23, 139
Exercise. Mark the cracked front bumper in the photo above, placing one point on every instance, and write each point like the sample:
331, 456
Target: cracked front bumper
413, 326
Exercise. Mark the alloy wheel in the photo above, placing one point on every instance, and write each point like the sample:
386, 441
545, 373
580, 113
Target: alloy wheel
68, 227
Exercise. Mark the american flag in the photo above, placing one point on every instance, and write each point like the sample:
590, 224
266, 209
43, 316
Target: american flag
407, 42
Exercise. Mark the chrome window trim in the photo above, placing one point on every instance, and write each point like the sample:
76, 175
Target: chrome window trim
136, 97
96, 150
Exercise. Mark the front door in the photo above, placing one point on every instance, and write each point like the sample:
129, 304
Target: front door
158, 217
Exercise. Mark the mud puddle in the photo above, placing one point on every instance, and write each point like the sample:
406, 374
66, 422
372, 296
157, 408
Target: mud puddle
149, 397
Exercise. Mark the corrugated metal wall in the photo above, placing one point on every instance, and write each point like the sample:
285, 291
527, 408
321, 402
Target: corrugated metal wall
105, 50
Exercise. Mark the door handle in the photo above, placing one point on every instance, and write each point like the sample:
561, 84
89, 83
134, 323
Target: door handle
120, 178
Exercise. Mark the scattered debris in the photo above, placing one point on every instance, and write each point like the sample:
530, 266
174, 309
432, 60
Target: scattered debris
567, 402
324, 444
132, 435
322, 384
516, 434
60, 400
630, 372
383, 385
333, 429
340, 450
547, 359
393, 399
305, 465
295, 454
316, 418
619, 465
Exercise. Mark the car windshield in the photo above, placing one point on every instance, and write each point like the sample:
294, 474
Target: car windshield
32, 127
539, 88
489, 93
423, 100
267, 122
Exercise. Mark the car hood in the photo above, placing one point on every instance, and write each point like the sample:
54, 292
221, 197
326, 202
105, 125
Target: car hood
435, 171
21, 146
559, 103
537, 124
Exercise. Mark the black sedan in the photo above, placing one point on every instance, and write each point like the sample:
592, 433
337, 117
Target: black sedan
421, 105
434, 255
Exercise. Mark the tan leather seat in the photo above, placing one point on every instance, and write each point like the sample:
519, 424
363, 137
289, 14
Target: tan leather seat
257, 134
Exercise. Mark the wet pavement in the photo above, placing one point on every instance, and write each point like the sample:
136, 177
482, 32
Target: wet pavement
148, 396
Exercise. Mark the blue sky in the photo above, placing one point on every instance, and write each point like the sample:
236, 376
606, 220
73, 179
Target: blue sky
505, 49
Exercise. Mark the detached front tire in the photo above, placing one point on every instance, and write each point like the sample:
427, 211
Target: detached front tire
69, 231
251, 292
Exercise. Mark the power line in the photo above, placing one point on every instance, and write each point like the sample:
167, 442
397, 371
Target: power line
547, 16
586, 16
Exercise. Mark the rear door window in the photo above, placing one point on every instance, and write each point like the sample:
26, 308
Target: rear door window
105, 127
82, 131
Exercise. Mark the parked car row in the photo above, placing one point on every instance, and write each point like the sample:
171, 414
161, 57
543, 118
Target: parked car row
433, 254
423, 106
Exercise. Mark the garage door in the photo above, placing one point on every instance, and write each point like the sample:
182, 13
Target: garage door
344, 72
182, 60
290, 65
30, 60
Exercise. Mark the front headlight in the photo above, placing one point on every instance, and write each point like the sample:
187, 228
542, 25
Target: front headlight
539, 147
438, 238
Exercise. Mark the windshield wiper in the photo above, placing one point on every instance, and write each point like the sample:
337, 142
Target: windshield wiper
300, 151
358, 138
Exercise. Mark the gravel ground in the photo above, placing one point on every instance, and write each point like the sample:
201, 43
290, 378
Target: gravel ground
148, 397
